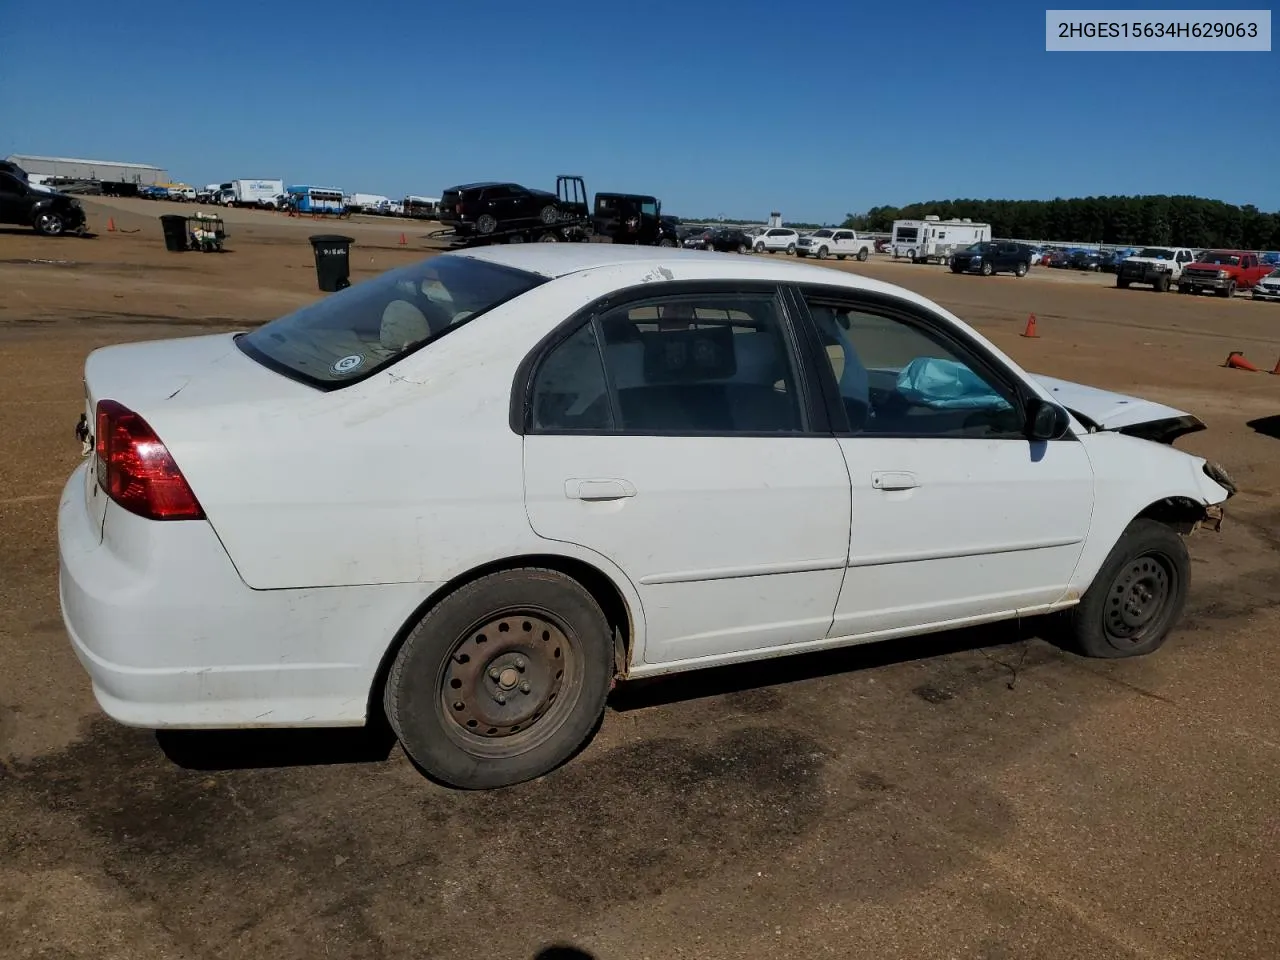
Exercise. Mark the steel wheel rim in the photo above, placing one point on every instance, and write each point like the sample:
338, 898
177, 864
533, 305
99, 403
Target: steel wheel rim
509, 683
1139, 600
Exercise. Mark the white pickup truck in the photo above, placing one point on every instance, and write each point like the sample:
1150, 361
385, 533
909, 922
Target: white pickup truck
1158, 266
835, 243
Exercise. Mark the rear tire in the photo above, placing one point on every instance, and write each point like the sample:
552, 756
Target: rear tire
791, 248
503, 680
1020, 270
862, 255
549, 214
1122, 283
1138, 595
486, 223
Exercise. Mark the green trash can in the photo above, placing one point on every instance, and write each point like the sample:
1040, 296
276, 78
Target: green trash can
333, 261
175, 232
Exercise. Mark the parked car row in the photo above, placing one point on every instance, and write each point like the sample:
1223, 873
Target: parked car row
1221, 271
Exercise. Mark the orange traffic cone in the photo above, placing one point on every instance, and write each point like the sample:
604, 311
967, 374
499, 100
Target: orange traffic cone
111, 225
1031, 326
1276, 371
402, 240
1236, 360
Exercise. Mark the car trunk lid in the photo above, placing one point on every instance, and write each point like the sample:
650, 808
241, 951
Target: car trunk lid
160, 378
1105, 410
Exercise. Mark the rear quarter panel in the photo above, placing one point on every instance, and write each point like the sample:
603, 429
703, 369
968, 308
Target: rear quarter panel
411, 475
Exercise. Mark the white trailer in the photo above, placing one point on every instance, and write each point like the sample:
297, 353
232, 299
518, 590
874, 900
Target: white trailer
367, 203
252, 193
933, 238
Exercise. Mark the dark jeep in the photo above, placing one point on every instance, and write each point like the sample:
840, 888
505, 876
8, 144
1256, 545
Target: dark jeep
993, 257
26, 204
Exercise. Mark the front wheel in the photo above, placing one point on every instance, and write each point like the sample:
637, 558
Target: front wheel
987, 269
759, 248
666, 242
503, 680
1137, 596
1229, 290
822, 253
549, 214
50, 224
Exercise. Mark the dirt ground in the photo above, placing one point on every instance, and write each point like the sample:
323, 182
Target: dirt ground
973, 795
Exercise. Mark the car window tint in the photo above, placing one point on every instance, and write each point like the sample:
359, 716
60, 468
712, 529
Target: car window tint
701, 365
364, 328
896, 379
569, 391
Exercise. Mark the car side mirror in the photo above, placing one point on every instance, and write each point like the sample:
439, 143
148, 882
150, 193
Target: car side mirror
1045, 420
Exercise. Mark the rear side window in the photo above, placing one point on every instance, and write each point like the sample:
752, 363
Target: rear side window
365, 328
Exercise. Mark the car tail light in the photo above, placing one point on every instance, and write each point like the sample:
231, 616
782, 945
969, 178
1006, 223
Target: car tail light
136, 470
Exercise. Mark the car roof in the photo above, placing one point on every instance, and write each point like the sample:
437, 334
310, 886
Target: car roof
554, 260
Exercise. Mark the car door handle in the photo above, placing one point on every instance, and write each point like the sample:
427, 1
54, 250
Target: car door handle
598, 489
894, 480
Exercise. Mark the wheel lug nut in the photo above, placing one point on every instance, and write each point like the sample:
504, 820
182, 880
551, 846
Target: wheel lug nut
493, 673
500, 698
520, 664
524, 687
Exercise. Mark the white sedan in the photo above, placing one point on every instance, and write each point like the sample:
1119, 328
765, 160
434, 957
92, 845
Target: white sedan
475, 492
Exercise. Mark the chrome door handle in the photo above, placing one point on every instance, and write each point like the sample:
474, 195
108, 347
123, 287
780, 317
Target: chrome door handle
894, 480
598, 489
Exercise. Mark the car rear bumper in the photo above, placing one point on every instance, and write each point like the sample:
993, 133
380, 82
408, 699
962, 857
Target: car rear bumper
172, 637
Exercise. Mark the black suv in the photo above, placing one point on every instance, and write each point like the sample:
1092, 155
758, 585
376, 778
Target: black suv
485, 208
993, 256
48, 211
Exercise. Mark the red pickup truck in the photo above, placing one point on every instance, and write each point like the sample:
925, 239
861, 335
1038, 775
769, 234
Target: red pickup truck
1222, 271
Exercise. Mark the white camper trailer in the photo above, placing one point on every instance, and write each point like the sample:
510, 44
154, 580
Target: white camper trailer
922, 241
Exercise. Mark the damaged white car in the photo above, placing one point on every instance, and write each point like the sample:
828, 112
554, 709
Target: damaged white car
477, 491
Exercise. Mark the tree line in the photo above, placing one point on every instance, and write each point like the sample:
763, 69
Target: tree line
1126, 221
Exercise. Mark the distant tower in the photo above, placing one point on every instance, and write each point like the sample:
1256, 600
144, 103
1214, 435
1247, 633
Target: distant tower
775, 219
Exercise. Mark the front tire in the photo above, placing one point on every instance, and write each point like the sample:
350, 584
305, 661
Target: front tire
50, 224
987, 269
759, 248
1228, 291
1137, 596
503, 680
549, 214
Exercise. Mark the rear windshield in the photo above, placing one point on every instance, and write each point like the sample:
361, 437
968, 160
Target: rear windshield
360, 330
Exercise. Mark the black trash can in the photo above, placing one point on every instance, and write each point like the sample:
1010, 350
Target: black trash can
175, 232
333, 261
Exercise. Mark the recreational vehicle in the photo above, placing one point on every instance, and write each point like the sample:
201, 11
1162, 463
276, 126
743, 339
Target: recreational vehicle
922, 241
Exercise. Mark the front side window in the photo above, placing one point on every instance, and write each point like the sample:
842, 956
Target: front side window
898, 379
360, 330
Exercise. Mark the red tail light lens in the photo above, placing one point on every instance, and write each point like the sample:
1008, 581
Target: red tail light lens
135, 468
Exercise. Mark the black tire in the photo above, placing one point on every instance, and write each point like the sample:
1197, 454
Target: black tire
539, 638
1020, 270
841, 256
862, 255
50, 223
549, 214
1137, 596
823, 253
549, 236
486, 224
666, 242
791, 248
742, 248
956, 270
1122, 283
1228, 291
1161, 283
987, 269
759, 248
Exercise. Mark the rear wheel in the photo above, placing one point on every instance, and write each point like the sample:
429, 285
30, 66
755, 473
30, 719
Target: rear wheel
862, 254
486, 223
1121, 282
549, 214
549, 237
666, 242
791, 248
1137, 596
503, 680
1020, 270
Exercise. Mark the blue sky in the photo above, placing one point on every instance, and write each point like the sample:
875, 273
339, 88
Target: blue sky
739, 108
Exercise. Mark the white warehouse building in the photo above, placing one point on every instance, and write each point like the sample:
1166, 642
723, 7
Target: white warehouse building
103, 171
